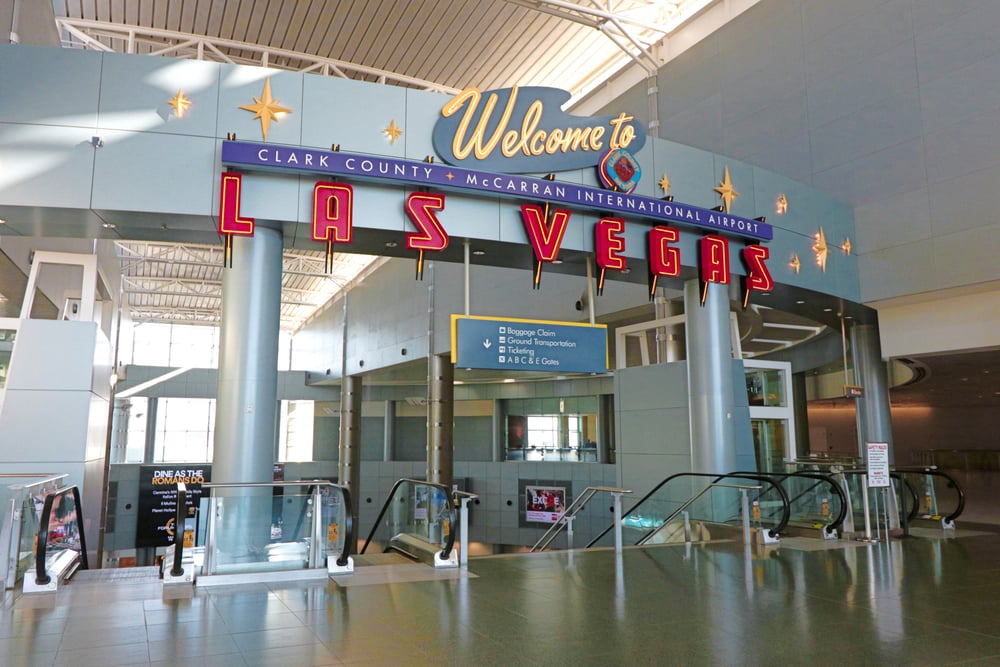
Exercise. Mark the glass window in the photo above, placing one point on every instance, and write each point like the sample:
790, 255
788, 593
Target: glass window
296, 431
185, 430
766, 386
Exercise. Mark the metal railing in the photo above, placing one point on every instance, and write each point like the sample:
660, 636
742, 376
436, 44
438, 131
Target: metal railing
565, 519
716, 482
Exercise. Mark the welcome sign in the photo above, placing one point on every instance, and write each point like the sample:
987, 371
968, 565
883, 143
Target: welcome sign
524, 130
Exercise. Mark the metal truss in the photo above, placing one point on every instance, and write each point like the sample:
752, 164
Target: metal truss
634, 26
116, 37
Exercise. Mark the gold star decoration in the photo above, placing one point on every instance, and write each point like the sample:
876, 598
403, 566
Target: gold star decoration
450, 175
266, 109
795, 264
664, 184
392, 131
781, 205
846, 246
179, 103
821, 249
726, 191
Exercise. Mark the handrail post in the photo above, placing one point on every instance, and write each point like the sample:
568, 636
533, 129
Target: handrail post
745, 512
568, 520
210, 535
618, 520
864, 505
463, 534
317, 529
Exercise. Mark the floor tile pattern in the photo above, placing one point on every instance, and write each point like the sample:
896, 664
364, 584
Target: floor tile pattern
916, 601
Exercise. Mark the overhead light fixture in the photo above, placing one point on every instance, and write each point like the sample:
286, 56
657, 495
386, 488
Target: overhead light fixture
2, 221
109, 225
391, 244
509, 380
800, 301
478, 253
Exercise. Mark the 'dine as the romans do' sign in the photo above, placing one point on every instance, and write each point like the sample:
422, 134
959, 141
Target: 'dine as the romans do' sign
158, 501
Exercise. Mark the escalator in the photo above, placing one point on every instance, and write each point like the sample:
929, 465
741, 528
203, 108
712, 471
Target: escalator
929, 499
701, 507
818, 503
418, 522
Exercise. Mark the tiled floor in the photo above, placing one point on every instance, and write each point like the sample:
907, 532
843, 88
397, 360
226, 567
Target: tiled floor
919, 601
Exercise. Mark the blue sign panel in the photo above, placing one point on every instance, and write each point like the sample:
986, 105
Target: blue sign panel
524, 130
422, 174
528, 345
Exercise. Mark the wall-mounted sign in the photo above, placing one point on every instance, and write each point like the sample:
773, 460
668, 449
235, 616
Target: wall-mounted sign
544, 504
523, 130
156, 525
447, 177
528, 345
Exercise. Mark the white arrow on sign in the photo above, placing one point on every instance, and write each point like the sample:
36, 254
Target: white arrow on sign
487, 344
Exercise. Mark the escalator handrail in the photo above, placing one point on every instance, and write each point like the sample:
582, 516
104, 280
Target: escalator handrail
928, 471
905, 484
952, 483
41, 576
452, 513
820, 477
773, 532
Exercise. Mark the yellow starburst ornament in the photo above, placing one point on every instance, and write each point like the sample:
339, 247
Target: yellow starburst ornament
726, 190
795, 264
266, 109
393, 132
846, 246
179, 103
821, 249
664, 184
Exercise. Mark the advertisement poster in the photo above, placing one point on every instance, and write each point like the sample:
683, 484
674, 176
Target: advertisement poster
544, 504
158, 501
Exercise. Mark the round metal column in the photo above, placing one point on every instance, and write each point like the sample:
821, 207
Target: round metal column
710, 378
440, 419
247, 392
874, 419
350, 439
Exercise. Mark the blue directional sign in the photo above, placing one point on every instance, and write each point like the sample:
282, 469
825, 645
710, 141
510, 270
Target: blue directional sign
528, 345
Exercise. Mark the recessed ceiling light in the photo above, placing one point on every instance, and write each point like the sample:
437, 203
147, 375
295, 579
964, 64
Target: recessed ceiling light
828, 310
109, 225
390, 244
800, 301
557, 261
2, 221
509, 380
479, 253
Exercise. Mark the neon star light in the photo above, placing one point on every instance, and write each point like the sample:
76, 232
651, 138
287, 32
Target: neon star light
266, 108
179, 103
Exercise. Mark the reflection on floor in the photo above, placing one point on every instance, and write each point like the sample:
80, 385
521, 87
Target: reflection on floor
915, 601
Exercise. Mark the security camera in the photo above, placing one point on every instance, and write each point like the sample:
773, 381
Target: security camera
582, 302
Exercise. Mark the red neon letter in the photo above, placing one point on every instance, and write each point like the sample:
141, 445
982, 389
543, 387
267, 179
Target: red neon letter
420, 206
715, 259
758, 277
333, 205
545, 238
608, 243
230, 221
664, 260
